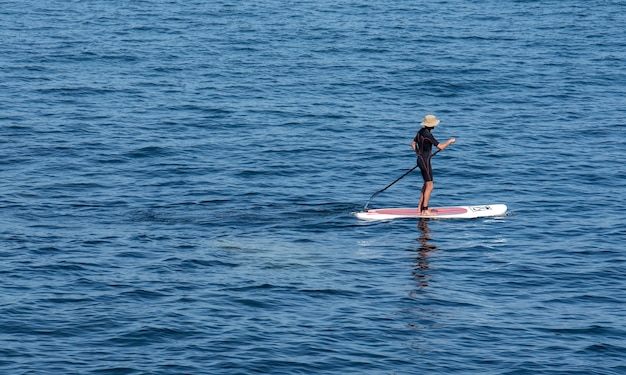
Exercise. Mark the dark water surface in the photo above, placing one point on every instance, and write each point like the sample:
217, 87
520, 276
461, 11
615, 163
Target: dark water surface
177, 181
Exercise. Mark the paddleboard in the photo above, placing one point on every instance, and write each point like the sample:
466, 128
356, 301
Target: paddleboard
458, 212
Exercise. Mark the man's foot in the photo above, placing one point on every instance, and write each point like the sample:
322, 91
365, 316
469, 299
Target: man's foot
428, 212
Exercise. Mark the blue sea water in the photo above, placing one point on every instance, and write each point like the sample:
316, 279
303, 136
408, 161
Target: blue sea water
178, 179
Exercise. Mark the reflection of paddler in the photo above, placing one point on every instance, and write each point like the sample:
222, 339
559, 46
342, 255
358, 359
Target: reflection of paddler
425, 247
422, 145
421, 261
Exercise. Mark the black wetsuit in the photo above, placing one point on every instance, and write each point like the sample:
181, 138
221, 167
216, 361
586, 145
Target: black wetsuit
424, 141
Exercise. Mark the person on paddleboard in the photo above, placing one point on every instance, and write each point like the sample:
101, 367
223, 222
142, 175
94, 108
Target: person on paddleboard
422, 145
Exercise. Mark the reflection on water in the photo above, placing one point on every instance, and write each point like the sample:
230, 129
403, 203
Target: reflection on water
422, 317
421, 266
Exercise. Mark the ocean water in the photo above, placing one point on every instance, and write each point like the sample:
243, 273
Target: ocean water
178, 179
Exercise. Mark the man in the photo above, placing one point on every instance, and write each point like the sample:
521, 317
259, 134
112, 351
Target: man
422, 145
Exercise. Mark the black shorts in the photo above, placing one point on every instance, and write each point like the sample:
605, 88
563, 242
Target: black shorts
425, 167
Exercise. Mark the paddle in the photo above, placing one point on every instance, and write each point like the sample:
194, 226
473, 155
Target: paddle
388, 186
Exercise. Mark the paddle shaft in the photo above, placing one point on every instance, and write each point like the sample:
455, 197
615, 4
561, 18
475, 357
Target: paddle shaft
397, 179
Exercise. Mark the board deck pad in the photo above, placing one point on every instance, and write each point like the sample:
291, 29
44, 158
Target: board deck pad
457, 212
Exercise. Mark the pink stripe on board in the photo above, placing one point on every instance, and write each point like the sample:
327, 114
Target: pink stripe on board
396, 211
450, 210
413, 211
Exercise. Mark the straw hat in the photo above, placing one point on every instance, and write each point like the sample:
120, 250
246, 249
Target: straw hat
430, 121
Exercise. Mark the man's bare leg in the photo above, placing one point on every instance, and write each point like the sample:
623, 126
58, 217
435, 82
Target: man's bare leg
427, 189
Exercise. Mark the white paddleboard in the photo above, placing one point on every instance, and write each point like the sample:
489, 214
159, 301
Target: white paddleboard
458, 212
